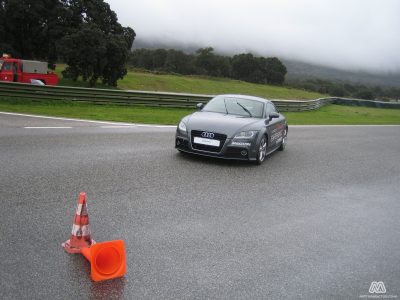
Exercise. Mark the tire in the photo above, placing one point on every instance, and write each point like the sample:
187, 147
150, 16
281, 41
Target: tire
262, 150
284, 141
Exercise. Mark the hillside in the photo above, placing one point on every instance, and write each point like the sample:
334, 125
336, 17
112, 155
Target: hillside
302, 70
144, 81
296, 69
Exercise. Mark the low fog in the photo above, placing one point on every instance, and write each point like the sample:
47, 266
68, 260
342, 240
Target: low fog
350, 35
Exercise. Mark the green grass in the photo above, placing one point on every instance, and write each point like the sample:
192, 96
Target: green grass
146, 81
345, 115
209, 86
78, 83
132, 114
331, 114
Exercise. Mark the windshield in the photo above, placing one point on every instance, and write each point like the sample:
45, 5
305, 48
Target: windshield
235, 106
1, 64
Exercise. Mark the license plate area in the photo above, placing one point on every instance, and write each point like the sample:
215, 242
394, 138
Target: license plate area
207, 142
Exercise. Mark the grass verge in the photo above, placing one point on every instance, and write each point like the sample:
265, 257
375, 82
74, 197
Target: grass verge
146, 81
132, 114
331, 114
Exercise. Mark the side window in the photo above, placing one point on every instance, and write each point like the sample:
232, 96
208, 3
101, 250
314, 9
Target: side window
271, 108
7, 66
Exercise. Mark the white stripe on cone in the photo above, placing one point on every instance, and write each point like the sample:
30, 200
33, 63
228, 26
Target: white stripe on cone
80, 211
80, 230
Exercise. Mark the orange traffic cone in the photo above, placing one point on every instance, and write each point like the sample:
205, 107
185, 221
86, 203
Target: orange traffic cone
80, 237
107, 260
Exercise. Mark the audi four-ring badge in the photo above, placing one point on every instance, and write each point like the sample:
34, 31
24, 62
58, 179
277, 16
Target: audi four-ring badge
233, 127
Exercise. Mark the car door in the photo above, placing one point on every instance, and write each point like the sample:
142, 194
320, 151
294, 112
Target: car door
276, 126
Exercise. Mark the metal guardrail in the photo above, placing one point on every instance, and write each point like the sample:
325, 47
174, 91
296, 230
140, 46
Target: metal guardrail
156, 99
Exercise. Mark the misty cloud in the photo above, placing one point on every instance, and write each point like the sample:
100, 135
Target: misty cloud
358, 35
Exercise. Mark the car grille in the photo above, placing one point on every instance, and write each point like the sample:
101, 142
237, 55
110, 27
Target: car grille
217, 136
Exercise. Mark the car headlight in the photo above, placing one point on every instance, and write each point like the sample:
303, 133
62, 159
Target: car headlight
182, 126
246, 134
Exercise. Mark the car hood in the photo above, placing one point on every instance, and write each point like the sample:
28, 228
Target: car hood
219, 123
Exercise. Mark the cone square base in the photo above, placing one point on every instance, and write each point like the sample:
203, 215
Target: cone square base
68, 247
107, 260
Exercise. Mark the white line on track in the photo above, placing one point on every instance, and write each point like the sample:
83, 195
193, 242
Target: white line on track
47, 127
88, 121
118, 126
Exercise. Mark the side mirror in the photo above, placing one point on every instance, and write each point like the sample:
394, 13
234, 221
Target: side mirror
199, 105
273, 115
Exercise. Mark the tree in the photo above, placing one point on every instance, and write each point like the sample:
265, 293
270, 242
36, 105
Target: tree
84, 52
36, 29
364, 93
243, 67
31, 27
5, 47
117, 55
96, 46
179, 62
208, 63
337, 91
275, 70
258, 69
159, 58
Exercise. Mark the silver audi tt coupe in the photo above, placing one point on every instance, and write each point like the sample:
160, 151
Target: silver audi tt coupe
233, 127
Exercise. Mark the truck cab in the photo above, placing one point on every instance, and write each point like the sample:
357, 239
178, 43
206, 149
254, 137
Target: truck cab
10, 69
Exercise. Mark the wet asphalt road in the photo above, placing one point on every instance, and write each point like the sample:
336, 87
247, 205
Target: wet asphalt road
320, 220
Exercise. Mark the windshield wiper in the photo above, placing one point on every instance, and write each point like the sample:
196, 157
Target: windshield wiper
245, 109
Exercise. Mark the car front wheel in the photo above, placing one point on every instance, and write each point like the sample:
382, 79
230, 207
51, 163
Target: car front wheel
262, 150
284, 141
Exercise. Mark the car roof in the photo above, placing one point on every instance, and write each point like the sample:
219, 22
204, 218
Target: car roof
244, 97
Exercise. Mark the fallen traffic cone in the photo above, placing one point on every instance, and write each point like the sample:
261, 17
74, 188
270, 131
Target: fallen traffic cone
80, 237
107, 260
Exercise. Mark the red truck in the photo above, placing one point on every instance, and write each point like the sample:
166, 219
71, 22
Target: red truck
26, 71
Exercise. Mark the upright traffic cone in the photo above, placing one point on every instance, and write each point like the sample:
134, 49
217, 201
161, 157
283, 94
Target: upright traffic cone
107, 260
80, 237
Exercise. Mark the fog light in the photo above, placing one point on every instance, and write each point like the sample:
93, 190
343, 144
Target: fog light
244, 152
178, 142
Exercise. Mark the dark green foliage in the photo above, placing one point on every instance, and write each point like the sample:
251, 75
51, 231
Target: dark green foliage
275, 70
83, 51
208, 63
244, 67
98, 48
173, 61
178, 62
205, 62
85, 33
31, 28
364, 94
340, 89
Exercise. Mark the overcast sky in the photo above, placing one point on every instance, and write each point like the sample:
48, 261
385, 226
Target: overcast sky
349, 34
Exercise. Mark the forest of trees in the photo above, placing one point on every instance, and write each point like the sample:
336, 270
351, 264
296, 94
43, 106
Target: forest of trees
346, 89
204, 61
85, 34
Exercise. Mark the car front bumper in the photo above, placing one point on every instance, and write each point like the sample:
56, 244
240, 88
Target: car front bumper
229, 150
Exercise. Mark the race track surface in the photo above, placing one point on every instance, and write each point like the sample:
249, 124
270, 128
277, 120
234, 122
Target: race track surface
320, 220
